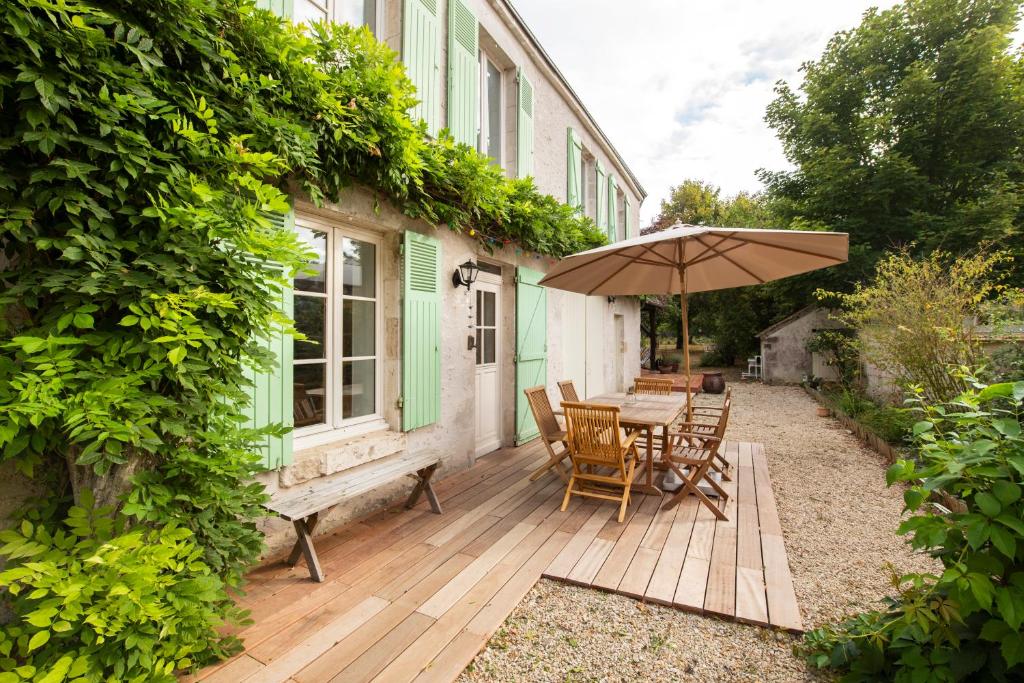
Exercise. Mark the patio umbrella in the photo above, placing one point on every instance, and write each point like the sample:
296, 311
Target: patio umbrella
690, 258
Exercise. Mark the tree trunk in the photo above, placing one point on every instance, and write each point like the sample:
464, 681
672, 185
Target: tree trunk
108, 488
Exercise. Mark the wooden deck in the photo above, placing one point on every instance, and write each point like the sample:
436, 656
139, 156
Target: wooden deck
410, 595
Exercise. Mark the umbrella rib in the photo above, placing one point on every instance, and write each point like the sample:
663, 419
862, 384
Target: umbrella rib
701, 259
706, 250
583, 265
601, 283
665, 261
792, 249
746, 270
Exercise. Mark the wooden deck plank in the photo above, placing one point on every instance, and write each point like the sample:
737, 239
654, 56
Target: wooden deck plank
632, 536
720, 595
782, 608
665, 578
571, 553
751, 601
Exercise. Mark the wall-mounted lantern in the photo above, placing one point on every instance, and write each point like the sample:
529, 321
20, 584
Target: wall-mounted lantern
465, 274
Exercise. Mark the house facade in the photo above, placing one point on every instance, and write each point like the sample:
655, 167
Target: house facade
404, 360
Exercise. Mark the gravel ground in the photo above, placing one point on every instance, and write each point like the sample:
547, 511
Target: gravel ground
838, 519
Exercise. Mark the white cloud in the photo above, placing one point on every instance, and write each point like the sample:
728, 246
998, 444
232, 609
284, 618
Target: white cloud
681, 87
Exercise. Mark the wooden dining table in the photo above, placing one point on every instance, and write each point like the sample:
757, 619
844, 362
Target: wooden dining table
647, 412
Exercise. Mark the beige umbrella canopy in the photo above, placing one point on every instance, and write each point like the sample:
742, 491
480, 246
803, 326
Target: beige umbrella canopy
691, 258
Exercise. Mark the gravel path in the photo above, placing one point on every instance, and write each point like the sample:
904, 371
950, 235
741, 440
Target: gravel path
838, 519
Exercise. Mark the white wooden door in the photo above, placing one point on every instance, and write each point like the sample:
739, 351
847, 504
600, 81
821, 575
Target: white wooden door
488, 357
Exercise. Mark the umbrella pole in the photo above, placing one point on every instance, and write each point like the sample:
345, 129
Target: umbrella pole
684, 314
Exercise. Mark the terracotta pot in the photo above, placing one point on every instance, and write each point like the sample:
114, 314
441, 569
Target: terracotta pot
713, 383
823, 411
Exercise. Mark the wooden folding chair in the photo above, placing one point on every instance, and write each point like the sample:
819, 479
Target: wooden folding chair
716, 428
551, 433
698, 453
568, 390
655, 386
603, 462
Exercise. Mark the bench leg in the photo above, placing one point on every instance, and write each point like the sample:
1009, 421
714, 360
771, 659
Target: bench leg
305, 542
297, 548
423, 486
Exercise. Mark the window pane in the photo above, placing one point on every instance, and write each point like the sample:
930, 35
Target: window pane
358, 328
493, 111
489, 308
307, 11
317, 280
479, 306
311, 320
360, 270
358, 390
488, 346
357, 12
309, 394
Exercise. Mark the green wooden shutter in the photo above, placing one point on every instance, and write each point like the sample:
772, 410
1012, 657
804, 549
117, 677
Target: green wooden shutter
613, 209
282, 8
601, 217
524, 127
574, 171
421, 332
463, 74
421, 53
270, 396
531, 347
627, 228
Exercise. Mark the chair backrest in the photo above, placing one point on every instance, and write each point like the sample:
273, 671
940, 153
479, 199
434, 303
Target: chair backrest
540, 406
652, 386
568, 390
593, 434
723, 418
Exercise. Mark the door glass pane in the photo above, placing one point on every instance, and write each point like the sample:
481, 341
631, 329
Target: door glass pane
307, 11
309, 394
493, 111
489, 309
489, 345
358, 390
316, 280
310, 320
357, 328
359, 275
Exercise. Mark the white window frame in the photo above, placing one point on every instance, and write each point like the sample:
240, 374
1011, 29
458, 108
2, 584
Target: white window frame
337, 426
378, 19
484, 133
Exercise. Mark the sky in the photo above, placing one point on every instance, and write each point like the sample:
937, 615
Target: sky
681, 87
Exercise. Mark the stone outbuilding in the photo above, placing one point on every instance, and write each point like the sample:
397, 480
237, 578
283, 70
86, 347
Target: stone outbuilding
784, 355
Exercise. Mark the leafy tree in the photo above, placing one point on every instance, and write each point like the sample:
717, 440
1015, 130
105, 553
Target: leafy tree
908, 129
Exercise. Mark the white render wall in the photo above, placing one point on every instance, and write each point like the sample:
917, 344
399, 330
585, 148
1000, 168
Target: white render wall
453, 437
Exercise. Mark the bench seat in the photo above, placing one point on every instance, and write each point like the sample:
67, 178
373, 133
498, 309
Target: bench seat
302, 507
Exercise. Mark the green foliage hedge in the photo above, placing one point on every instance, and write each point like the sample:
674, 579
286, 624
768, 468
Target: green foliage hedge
143, 146
965, 623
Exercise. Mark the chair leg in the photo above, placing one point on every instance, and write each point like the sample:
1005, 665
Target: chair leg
624, 504
423, 486
568, 492
688, 488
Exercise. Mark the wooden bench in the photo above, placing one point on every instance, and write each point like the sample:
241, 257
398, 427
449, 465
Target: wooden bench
303, 507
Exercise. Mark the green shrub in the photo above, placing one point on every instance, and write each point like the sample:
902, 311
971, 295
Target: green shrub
96, 600
894, 425
144, 147
964, 624
713, 359
1007, 363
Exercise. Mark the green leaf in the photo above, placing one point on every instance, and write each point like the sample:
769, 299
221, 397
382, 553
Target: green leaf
38, 640
1007, 426
176, 355
1003, 540
988, 504
922, 427
913, 498
83, 321
1007, 492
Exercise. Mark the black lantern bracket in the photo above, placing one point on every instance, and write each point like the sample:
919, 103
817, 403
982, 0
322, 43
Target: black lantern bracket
465, 274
